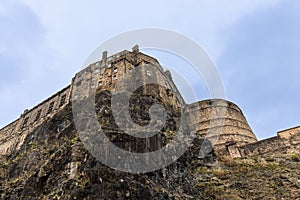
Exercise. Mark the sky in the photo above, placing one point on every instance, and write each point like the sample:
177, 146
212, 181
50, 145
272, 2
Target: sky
254, 44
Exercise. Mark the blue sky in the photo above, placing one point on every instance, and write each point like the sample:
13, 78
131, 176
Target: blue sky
254, 44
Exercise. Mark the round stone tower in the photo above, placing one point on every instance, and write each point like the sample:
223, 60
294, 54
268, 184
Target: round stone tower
219, 121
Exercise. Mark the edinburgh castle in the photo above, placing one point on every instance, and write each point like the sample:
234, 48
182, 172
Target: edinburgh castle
43, 158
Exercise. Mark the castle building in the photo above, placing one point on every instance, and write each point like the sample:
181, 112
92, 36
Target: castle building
217, 120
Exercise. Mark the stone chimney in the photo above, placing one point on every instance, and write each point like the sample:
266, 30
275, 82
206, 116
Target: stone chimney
135, 49
104, 56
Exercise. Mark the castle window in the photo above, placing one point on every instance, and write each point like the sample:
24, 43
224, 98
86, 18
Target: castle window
115, 70
169, 93
25, 122
78, 83
38, 115
146, 63
100, 83
62, 100
115, 77
148, 72
50, 107
101, 76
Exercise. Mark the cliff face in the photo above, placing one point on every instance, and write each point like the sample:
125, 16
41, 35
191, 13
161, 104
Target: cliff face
44, 155
53, 163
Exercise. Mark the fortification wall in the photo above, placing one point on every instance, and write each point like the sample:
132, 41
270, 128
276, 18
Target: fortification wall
12, 136
219, 120
104, 74
287, 142
286, 134
101, 75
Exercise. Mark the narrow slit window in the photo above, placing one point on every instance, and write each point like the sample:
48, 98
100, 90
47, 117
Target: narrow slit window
62, 100
115, 70
25, 122
38, 115
50, 107
100, 83
115, 77
148, 72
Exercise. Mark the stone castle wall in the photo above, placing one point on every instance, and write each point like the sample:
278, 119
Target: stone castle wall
286, 142
101, 75
220, 121
13, 135
104, 75
288, 133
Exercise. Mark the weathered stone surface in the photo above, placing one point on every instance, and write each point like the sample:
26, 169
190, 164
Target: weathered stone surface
56, 165
43, 157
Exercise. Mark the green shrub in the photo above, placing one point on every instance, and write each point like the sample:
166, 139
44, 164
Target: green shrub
295, 158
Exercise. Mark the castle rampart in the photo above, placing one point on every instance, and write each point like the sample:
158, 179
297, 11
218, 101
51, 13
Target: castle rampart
13, 135
101, 75
220, 120
214, 119
287, 141
288, 133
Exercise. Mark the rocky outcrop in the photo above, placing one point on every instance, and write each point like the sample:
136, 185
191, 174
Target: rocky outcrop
43, 154
53, 163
